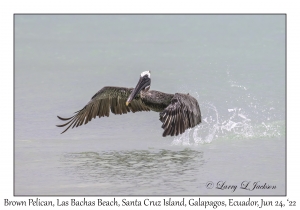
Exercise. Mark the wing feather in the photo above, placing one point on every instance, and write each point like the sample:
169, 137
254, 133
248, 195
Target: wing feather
105, 100
182, 113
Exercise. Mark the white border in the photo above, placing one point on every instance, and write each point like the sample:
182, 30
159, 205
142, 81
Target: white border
8, 8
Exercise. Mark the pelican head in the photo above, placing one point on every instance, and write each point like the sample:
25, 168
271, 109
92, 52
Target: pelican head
143, 84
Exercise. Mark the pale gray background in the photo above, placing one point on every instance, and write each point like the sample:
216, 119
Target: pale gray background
233, 64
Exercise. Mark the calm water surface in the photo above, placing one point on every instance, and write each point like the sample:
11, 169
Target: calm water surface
234, 65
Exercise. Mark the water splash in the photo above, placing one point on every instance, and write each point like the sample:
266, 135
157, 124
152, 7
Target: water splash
234, 84
246, 116
235, 124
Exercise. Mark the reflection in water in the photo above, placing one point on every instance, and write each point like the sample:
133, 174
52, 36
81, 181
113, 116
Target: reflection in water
148, 172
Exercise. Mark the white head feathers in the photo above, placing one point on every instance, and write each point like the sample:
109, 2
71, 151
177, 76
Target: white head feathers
146, 72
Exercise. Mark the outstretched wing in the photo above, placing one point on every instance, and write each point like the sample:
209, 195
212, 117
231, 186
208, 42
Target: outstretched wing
106, 99
182, 113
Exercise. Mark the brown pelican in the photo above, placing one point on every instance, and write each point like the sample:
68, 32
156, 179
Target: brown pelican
178, 111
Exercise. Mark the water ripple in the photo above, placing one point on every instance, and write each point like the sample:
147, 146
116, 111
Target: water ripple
138, 171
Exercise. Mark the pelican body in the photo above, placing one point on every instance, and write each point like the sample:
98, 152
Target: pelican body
178, 111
